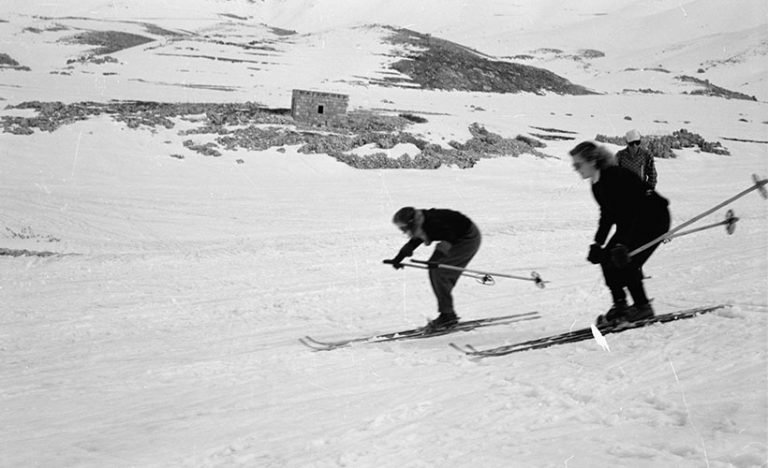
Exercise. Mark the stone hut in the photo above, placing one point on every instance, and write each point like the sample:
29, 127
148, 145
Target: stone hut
316, 106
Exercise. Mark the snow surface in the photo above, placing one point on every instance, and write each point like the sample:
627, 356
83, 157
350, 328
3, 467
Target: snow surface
162, 331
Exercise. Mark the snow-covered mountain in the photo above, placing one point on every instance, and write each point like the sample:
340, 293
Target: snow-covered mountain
245, 47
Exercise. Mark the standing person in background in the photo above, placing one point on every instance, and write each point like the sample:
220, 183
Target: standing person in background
458, 242
638, 159
639, 215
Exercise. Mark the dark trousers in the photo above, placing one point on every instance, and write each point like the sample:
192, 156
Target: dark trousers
459, 254
631, 276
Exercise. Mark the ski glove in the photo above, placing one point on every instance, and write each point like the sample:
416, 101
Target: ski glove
395, 262
595, 254
620, 255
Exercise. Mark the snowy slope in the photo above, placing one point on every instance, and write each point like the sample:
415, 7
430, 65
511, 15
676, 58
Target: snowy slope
158, 327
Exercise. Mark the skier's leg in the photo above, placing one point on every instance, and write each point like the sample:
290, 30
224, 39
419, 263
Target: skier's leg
443, 280
462, 252
634, 279
641, 308
615, 281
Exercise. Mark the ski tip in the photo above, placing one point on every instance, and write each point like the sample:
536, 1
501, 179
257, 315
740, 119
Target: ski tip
311, 344
472, 349
308, 344
468, 351
457, 348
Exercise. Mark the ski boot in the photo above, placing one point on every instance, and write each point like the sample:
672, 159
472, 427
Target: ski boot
444, 321
617, 313
639, 312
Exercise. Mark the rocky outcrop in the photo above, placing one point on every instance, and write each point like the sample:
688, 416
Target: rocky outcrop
439, 64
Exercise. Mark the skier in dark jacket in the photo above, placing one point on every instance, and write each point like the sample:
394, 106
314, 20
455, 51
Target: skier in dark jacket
458, 241
639, 215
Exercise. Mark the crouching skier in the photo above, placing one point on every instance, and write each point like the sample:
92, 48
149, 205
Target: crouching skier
458, 241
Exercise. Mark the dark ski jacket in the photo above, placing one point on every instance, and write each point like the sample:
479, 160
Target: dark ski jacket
438, 225
629, 204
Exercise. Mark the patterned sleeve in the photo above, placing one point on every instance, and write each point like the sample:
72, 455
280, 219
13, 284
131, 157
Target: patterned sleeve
650, 171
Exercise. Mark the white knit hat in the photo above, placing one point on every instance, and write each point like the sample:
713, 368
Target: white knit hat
632, 135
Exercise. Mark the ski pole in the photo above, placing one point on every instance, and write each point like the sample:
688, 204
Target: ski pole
481, 278
729, 223
535, 277
758, 185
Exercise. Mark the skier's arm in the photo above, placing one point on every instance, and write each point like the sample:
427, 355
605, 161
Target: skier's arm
650, 171
603, 227
407, 249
